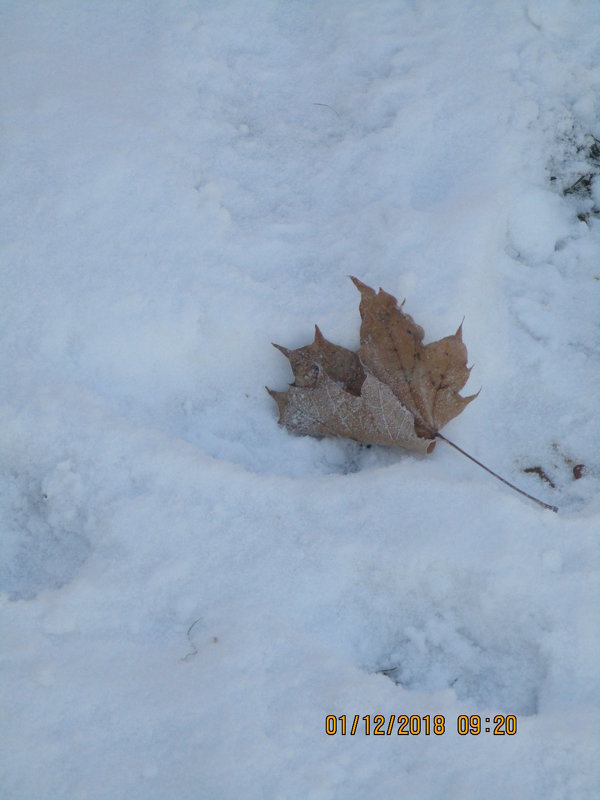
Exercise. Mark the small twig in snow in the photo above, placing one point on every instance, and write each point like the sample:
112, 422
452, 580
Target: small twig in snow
194, 650
328, 106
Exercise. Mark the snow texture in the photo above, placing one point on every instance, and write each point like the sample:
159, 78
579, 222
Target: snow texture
185, 182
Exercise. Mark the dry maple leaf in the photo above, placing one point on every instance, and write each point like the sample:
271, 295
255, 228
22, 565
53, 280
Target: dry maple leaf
426, 379
395, 391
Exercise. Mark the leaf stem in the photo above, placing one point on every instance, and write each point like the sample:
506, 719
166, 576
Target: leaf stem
495, 474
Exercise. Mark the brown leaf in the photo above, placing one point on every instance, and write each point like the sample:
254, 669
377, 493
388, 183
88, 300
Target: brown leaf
340, 364
327, 409
425, 378
394, 391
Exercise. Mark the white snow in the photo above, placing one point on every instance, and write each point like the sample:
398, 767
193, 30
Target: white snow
537, 224
185, 182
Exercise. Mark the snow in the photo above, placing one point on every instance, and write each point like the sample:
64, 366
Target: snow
537, 223
187, 590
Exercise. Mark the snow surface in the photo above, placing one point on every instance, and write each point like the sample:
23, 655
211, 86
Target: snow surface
182, 184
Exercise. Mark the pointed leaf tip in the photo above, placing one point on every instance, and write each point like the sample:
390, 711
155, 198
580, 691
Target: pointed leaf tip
362, 287
281, 400
282, 349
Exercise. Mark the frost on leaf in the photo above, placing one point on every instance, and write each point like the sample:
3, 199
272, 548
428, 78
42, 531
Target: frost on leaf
394, 391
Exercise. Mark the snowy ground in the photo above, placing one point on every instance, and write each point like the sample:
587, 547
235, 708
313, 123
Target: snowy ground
183, 183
